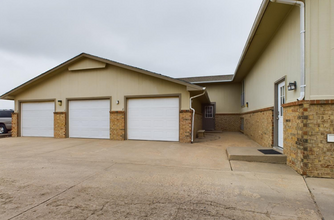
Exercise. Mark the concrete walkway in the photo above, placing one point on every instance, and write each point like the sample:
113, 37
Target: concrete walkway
46, 178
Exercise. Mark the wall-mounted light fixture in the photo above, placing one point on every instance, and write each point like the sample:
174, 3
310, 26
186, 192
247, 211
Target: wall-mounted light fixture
60, 102
117, 102
292, 86
247, 104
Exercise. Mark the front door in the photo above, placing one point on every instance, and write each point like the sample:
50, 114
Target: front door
209, 112
280, 102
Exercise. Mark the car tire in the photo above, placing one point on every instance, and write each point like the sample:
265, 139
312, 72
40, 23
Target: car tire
3, 129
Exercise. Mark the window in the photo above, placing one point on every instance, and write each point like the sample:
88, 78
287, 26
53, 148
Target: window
208, 111
242, 93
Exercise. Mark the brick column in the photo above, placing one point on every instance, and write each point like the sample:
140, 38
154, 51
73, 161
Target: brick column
306, 125
292, 137
14, 124
185, 126
59, 124
117, 124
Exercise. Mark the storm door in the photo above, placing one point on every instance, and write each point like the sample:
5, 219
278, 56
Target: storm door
281, 101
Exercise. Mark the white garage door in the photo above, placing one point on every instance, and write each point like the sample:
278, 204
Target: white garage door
89, 119
37, 119
153, 119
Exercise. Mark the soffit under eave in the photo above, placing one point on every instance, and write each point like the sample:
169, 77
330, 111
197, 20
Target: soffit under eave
270, 23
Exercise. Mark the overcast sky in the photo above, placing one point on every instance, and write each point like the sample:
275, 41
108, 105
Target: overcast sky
178, 38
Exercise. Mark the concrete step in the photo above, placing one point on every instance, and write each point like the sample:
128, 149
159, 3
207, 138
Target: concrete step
252, 154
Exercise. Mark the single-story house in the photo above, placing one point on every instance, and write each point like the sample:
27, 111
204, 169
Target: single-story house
281, 94
92, 97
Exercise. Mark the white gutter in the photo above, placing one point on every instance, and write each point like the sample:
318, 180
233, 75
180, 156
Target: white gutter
193, 115
302, 42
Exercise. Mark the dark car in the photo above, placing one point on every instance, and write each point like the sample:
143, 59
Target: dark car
5, 121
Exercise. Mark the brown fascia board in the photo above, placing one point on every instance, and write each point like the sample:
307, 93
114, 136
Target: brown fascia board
252, 33
190, 86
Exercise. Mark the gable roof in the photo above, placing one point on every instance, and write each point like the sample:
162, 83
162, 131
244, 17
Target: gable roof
8, 95
268, 20
208, 79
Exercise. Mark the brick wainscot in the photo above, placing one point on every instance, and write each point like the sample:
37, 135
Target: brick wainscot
14, 125
258, 124
185, 126
306, 125
117, 125
59, 124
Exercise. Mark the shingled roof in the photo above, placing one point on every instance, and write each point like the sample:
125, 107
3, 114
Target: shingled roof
208, 79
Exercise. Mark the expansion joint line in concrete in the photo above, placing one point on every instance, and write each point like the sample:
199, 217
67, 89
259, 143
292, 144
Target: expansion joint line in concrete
230, 165
62, 192
168, 166
313, 198
229, 161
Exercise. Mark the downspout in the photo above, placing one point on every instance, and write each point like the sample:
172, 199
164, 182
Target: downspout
193, 115
302, 42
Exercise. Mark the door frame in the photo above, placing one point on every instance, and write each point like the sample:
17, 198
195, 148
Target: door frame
275, 115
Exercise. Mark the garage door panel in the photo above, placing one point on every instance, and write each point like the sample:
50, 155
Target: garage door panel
37, 119
38, 132
89, 119
153, 119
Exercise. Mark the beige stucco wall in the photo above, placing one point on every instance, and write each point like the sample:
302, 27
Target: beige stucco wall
320, 49
281, 58
110, 81
226, 95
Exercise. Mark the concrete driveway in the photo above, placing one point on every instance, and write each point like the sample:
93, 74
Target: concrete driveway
46, 178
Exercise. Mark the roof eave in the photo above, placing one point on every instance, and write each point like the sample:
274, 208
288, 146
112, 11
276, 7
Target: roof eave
190, 86
8, 94
255, 26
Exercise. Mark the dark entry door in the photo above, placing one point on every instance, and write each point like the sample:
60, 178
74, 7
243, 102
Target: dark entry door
209, 111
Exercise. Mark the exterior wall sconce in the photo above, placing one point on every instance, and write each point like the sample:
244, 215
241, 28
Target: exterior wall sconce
247, 104
117, 102
60, 102
292, 86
